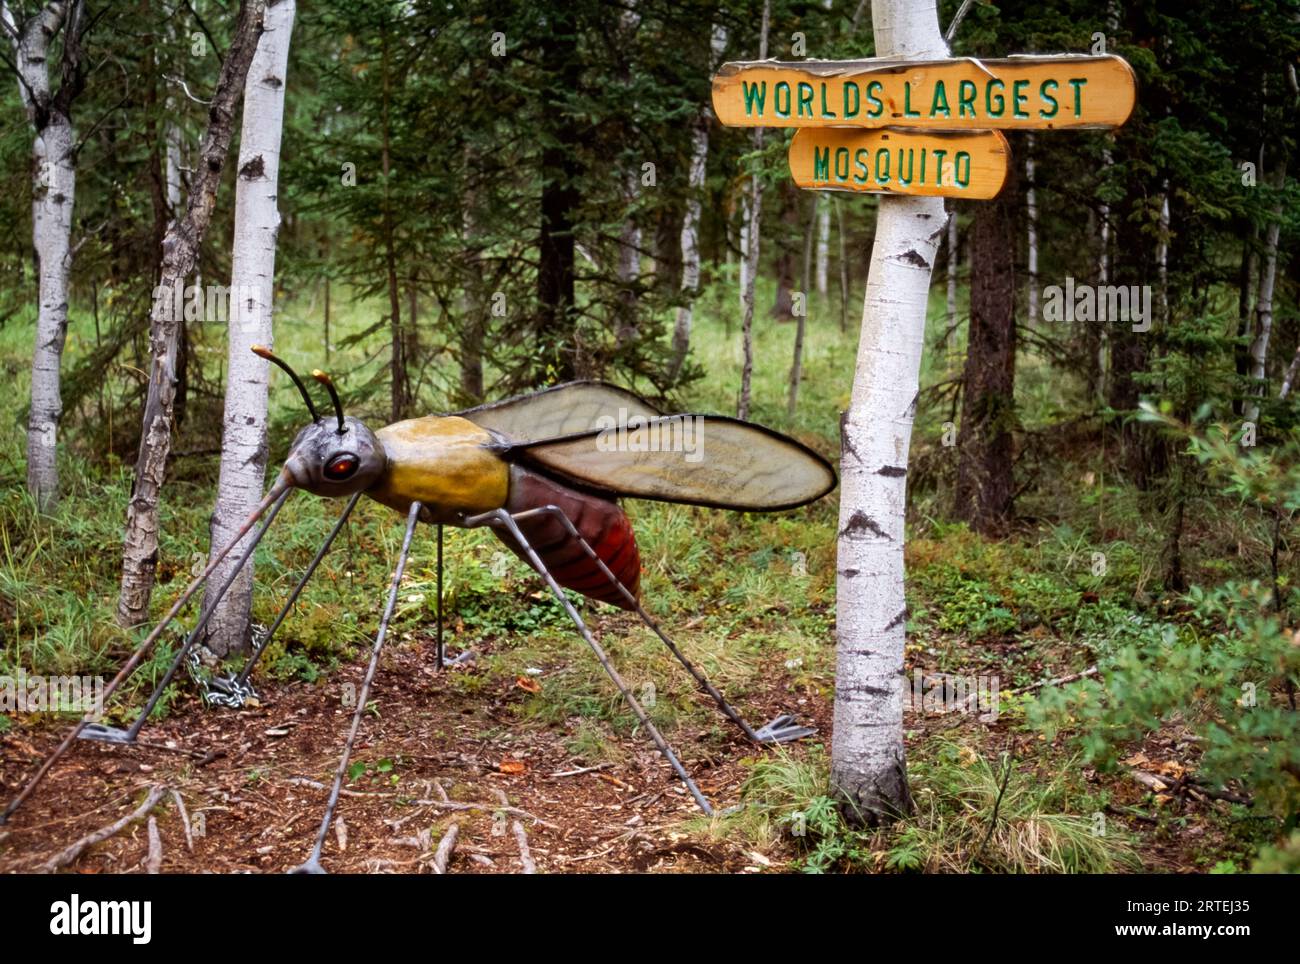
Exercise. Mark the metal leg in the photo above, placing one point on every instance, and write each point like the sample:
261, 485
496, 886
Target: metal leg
242, 678
504, 518
441, 653
780, 730
312, 864
277, 493
110, 734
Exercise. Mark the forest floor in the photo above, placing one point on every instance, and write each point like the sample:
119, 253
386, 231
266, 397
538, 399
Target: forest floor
750, 599
254, 783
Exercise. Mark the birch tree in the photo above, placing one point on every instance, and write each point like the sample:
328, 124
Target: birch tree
691, 222
751, 253
823, 245
868, 761
1264, 297
180, 256
54, 184
257, 222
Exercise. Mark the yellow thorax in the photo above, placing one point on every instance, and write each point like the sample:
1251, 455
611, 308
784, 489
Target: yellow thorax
444, 462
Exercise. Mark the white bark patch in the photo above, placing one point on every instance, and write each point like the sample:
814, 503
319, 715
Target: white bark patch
257, 222
867, 754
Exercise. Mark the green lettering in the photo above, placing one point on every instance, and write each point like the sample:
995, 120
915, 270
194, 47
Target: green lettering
1042, 92
1077, 83
805, 99
754, 94
873, 96
911, 158
963, 180
966, 98
826, 111
858, 161
940, 101
907, 102
882, 174
988, 98
821, 163
938, 166
781, 88
1018, 98
850, 85
841, 154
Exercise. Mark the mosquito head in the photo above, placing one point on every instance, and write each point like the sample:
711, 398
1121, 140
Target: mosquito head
331, 457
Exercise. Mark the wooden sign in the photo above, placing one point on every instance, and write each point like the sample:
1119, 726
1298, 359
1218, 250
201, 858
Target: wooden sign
1027, 92
892, 161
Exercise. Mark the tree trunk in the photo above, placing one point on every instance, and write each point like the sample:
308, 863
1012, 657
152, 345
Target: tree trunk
751, 255
54, 183
180, 256
691, 222
823, 245
252, 287
986, 445
1264, 300
868, 760
399, 392
951, 241
783, 305
1031, 231
801, 316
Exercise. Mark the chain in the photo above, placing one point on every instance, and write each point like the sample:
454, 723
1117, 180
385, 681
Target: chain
224, 690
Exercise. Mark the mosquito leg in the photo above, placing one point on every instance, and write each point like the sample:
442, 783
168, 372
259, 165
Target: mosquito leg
242, 677
312, 864
441, 653
277, 494
779, 730
114, 736
502, 517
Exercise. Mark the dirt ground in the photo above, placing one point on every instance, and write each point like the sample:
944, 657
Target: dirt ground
255, 781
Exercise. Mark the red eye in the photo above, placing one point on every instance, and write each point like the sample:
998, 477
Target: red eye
341, 467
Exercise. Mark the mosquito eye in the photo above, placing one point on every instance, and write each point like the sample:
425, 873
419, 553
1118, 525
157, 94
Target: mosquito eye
341, 467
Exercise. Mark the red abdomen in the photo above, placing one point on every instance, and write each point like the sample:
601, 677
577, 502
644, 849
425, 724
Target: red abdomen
602, 523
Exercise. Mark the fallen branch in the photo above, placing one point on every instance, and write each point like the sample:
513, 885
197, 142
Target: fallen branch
445, 847
185, 820
579, 771
525, 856
153, 863
513, 811
75, 850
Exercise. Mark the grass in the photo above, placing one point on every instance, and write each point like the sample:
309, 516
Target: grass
744, 595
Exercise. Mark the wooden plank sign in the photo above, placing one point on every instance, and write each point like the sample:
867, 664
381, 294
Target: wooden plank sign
893, 161
1026, 92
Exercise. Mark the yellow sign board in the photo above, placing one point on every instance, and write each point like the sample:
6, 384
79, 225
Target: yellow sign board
892, 161
1027, 92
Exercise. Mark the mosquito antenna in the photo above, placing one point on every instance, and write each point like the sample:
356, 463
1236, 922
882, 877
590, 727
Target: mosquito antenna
264, 352
325, 380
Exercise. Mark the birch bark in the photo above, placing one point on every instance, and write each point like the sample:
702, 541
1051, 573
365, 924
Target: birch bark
868, 761
252, 285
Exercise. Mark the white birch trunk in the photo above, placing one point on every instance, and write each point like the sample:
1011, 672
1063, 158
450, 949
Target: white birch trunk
1264, 300
751, 272
54, 182
1031, 226
951, 241
868, 761
257, 221
823, 245
691, 221
744, 248
629, 241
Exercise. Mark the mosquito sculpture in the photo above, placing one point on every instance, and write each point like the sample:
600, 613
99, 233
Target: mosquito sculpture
544, 472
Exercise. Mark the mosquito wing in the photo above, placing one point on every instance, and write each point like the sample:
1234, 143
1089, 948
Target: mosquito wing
564, 410
708, 460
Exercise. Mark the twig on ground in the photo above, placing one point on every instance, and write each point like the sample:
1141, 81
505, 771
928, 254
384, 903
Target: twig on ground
185, 820
513, 811
579, 771
153, 863
70, 853
445, 847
